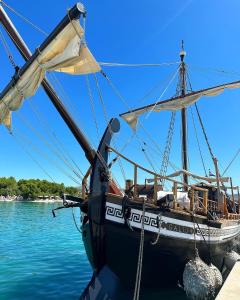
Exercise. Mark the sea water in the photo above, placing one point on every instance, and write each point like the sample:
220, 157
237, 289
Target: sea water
42, 257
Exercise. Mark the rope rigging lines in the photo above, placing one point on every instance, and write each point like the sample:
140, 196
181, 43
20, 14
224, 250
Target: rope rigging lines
198, 143
24, 18
109, 64
56, 142
7, 50
90, 96
125, 103
166, 153
57, 147
40, 152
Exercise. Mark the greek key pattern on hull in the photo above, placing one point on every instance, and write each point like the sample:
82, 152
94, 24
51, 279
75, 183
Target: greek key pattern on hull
135, 217
115, 212
180, 227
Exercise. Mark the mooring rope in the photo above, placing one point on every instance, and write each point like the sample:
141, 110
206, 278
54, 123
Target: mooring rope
140, 258
75, 222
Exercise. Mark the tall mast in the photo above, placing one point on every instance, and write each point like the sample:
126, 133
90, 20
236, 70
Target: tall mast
184, 116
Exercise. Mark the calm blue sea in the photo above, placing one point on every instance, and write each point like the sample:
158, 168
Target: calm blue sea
42, 257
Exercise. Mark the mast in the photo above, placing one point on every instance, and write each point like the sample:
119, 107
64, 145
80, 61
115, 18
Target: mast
184, 116
75, 12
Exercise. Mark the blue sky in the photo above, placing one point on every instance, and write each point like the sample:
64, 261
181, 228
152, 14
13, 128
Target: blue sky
131, 32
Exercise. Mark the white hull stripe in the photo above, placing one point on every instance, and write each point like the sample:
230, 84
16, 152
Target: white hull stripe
170, 226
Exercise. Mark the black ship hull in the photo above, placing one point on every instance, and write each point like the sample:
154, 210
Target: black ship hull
113, 225
168, 246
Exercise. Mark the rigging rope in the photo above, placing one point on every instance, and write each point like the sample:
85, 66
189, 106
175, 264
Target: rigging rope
97, 153
198, 143
204, 132
231, 162
71, 104
7, 49
55, 140
164, 91
162, 82
43, 139
40, 152
146, 155
75, 222
92, 105
24, 18
19, 141
110, 64
140, 257
118, 94
166, 153
107, 121
206, 69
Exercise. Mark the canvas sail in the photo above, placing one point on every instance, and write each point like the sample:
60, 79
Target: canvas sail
67, 53
177, 103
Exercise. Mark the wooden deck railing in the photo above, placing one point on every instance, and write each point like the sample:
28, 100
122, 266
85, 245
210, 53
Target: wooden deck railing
197, 203
175, 185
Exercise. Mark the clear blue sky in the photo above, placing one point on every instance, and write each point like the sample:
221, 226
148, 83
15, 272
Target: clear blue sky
133, 32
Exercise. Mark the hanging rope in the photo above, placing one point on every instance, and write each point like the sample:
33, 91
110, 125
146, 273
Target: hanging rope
75, 222
140, 258
7, 50
159, 221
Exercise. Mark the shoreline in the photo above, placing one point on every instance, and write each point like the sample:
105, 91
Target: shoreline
37, 201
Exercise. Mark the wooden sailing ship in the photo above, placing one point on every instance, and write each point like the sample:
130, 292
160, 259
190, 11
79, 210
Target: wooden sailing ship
173, 223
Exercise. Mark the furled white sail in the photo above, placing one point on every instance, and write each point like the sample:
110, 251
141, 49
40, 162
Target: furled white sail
66, 53
176, 103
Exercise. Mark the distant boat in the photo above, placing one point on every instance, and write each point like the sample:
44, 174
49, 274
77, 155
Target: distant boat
169, 224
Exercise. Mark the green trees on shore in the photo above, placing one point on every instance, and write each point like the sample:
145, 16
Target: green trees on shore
33, 188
